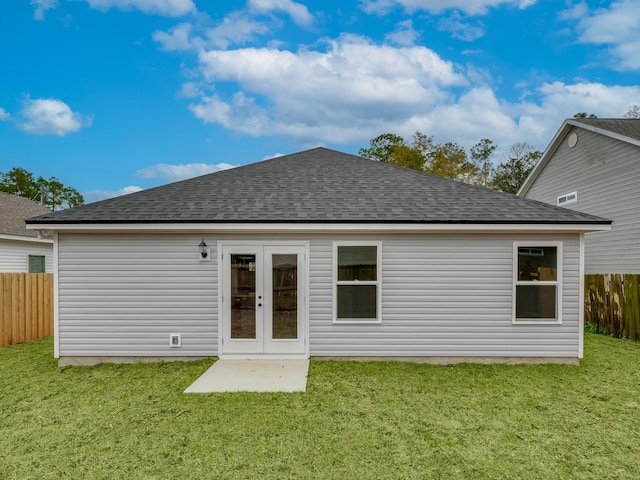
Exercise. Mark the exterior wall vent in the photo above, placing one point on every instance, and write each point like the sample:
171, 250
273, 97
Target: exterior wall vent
567, 198
175, 340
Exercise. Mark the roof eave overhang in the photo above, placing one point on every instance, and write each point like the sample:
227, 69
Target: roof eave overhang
326, 227
24, 238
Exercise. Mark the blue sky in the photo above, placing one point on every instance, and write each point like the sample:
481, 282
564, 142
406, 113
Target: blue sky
113, 96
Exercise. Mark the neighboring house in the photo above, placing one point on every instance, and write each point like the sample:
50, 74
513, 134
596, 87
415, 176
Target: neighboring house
23, 250
593, 165
319, 253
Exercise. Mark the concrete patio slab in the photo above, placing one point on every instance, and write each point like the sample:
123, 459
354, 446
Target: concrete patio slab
253, 376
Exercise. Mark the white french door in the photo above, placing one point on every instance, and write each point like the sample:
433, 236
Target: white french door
263, 300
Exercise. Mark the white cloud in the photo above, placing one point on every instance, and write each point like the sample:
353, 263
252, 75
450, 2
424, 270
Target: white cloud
319, 93
617, 26
170, 8
275, 155
174, 173
297, 11
461, 30
237, 28
470, 7
478, 113
404, 34
49, 116
96, 195
377, 7
41, 7
4, 115
575, 12
179, 38
602, 100
342, 91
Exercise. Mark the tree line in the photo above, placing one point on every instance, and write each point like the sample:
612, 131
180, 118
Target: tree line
51, 193
450, 160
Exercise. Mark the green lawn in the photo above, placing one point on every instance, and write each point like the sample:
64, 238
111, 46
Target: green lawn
368, 420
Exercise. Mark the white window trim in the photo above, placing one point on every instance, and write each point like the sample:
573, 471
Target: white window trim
28, 260
557, 283
378, 283
567, 201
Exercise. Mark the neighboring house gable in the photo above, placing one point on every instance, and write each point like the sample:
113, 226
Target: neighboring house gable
593, 166
23, 250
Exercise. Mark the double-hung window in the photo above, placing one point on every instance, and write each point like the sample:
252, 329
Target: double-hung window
537, 283
356, 287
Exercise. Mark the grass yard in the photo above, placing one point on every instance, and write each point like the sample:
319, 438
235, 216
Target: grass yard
371, 420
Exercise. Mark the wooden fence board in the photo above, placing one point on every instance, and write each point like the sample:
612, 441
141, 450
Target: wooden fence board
612, 303
26, 307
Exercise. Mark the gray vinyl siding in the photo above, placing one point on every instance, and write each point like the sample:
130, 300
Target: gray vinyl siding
123, 295
606, 174
14, 255
445, 295
442, 295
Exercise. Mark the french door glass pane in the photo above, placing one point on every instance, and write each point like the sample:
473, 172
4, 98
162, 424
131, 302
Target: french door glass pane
243, 296
285, 296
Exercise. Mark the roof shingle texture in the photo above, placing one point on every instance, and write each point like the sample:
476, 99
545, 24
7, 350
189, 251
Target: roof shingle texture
628, 127
317, 186
13, 212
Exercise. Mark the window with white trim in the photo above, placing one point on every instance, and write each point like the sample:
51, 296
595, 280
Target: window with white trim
537, 282
567, 198
357, 286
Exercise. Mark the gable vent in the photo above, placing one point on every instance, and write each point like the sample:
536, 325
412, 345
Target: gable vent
568, 198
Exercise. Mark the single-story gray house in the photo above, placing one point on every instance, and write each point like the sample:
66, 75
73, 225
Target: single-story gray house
22, 250
319, 254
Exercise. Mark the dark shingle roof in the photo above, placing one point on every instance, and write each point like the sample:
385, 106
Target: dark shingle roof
627, 127
13, 212
318, 186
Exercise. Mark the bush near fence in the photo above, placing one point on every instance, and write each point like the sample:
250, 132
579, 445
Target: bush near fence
612, 304
26, 307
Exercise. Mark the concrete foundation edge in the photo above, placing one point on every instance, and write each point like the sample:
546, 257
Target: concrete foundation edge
70, 361
77, 361
454, 360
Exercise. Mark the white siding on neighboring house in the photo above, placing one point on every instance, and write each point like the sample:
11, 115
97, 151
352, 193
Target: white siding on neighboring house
442, 295
605, 173
14, 255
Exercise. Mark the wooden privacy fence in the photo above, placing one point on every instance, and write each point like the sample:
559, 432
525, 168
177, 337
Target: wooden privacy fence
612, 303
26, 307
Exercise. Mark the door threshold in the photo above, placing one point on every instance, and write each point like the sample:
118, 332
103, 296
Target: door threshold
264, 356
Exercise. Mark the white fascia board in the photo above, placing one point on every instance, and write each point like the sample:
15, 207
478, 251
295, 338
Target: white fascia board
323, 227
605, 132
19, 238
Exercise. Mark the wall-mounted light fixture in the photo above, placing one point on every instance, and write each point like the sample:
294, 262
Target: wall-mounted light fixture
204, 252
